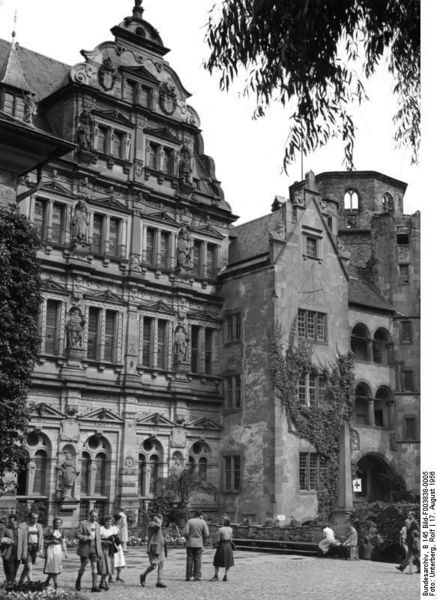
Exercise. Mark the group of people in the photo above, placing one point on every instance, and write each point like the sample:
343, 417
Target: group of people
348, 548
409, 540
196, 534
103, 547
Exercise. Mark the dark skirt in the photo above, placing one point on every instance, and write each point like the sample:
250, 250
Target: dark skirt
224, 556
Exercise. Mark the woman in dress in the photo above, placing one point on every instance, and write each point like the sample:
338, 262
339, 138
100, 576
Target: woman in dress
55, 548
224, 556
119, 561
110, 541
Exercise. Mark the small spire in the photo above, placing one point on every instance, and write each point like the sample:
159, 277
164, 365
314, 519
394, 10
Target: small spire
137, 11
15, 27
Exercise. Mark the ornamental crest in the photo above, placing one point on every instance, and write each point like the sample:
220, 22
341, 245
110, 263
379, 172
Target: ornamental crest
106, 74
167, 98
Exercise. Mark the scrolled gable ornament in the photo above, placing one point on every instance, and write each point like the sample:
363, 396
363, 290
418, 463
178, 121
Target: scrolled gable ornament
106, 74
167, 98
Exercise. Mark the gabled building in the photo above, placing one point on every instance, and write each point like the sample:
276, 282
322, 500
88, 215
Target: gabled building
158, 314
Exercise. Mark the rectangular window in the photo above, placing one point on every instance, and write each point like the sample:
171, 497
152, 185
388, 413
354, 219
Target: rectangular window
232, 469
149, 255
165, 250
312, 325
101, 139
114, 237
197, 258
408, 380
161, 354
209, 339
404, 274
167, 161
308, 471
195, 349
152, 156
406, 332
311, 246
129, 91
403, 239
110, 336
410, 428
211, 261
52, 333
147, 341
145, 96
97, 245
232, 392
311, 389
93, 328
233, 327
117, 144
40, 218
9, 103
302, 389
58, 223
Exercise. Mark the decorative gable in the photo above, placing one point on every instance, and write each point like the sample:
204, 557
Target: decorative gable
141, 73
203, 315
159, 306
208, 230
44, 410
50, 285
109, 201
204, 423
113, 115
164, 133
162, 217
102, 414
156, 419
55, 187
106, 296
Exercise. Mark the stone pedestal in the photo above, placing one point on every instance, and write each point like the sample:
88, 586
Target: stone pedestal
68, 511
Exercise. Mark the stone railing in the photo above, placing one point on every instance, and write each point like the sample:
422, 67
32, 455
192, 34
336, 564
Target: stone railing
304, 533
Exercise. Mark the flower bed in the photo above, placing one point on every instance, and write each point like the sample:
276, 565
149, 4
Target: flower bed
36, 591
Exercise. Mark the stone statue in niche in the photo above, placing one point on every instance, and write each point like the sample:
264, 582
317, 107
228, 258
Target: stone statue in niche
29, 108
67, 475
183, 251
85, 130
180, 344
74, 328
185, 164
79, 222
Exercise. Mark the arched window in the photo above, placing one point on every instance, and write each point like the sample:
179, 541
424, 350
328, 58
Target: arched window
362, 396
100, 484
39, 482
141, 475
154, 472
85, 475
351, 201
203, 466
387, 203
382, 347
381, 409
360, 342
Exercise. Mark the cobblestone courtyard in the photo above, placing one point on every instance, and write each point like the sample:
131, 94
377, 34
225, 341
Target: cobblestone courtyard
255, 576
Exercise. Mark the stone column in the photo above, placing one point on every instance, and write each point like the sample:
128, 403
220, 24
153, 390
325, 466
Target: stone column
345, 493
371, 412
128, 471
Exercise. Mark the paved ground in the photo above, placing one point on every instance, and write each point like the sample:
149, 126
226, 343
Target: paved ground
256, 576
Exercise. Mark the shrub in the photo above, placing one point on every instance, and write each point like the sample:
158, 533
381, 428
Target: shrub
35, 591
383, 519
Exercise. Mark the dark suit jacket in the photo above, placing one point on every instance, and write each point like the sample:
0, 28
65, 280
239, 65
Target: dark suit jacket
83, 534
195, 532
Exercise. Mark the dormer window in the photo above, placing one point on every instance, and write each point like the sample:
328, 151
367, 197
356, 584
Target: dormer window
13, 105
351, 201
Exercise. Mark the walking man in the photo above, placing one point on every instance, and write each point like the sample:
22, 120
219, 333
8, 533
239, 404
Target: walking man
89, 548
195, 532
156, 550
412, 554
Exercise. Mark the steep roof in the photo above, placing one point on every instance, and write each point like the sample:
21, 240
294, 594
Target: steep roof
43, 75
364, 293
252, 238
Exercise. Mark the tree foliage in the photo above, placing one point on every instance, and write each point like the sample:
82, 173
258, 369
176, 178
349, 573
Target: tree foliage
315, 55
19, 308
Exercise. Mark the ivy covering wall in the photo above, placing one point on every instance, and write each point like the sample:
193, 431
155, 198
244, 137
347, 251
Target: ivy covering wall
321, 423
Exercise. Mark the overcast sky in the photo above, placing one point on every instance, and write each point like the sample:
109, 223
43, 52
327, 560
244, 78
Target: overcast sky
248, 154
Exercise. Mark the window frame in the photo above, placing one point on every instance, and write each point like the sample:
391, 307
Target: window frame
309, 471
233, 327
232, 471
311, 320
